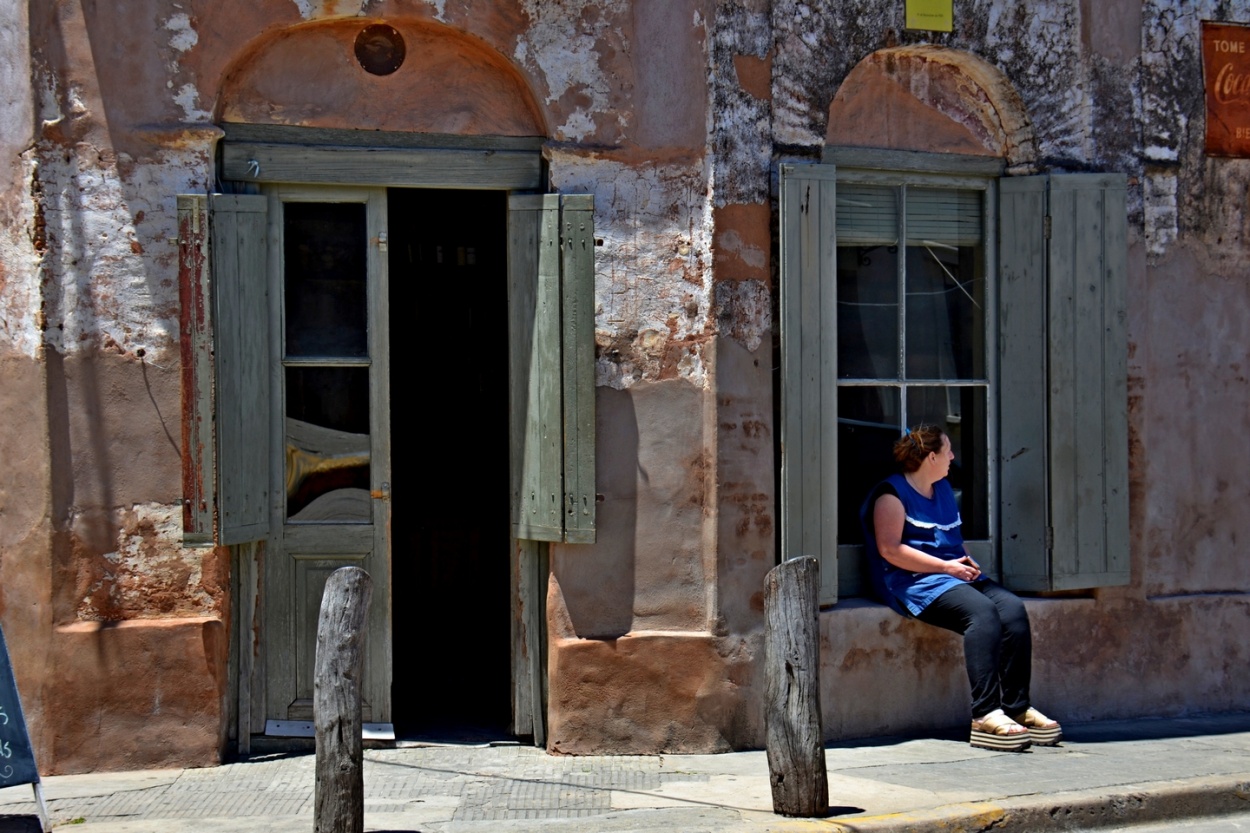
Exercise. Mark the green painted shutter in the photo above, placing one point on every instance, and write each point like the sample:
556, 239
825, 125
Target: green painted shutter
239, 255
578, 348
1088, 380
809, 419
551, 304
1063, 403
535, 372
1023, 470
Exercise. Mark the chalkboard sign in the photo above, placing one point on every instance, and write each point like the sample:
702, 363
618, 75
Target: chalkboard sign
17, 759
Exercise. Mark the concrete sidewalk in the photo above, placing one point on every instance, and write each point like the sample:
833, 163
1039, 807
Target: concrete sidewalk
1104, 774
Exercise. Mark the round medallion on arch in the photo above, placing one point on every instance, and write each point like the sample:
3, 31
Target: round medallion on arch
380, 49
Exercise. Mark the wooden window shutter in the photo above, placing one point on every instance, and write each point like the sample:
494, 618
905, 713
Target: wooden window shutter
239, 258
1063, 344
578, 347
551, 341
809, 418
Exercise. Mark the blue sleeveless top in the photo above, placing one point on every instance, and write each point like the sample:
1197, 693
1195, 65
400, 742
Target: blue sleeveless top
932, 526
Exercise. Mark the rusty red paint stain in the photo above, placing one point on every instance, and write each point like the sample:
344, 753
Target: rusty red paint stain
193, 322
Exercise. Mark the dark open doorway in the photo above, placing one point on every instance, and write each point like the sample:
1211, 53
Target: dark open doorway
449, 453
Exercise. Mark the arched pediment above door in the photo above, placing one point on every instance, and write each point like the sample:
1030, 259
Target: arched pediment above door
447, 83
931, 98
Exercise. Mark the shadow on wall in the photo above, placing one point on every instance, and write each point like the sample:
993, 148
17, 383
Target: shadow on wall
598, 580
106, 298
80, 518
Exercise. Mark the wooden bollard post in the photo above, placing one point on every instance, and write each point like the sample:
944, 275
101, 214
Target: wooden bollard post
794, 737
339, 797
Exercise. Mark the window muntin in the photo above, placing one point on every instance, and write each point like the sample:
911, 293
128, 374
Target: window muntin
913, 332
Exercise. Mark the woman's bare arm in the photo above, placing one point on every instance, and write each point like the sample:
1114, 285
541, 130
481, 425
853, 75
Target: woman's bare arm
888, 517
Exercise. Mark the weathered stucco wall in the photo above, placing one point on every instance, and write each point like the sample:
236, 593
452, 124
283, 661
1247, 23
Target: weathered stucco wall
673, 113
92, 493
1099, 98
119, 119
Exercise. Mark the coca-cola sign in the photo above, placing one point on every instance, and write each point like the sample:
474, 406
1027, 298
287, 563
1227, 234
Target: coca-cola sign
1226, 73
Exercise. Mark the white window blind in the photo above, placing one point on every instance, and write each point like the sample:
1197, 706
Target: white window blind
867, 215
943, 215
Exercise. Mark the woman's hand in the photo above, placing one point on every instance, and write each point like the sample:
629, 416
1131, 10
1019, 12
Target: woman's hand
963, 568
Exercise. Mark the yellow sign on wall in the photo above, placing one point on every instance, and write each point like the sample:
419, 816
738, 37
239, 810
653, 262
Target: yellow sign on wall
933, 15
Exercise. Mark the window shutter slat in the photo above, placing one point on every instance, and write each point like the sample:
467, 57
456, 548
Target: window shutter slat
809, 482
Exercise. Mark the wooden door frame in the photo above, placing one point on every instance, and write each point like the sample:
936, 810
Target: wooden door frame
255, 155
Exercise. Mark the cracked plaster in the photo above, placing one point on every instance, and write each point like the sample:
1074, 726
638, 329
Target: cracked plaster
741, 141
111, 263
1184, 191
652, 273
319, 9
150, 574
567, 42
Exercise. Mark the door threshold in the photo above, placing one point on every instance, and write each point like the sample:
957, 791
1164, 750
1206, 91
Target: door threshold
306, 729
423, 743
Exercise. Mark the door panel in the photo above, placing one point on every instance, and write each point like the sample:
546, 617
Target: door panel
331, 469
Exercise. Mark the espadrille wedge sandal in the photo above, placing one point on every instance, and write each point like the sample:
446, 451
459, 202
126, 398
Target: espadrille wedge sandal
1042, 730
999, 732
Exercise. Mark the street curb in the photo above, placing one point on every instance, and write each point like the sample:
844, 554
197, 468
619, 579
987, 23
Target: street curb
1075, 810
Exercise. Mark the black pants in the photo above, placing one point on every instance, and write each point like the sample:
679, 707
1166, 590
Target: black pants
998, 646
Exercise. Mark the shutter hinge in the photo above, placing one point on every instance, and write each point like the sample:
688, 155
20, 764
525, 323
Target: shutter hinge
1046, 226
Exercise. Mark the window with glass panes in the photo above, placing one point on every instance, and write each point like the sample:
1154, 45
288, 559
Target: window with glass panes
913, 302
930, 288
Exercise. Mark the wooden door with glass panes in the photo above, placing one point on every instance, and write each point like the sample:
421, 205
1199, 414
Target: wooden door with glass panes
329, 377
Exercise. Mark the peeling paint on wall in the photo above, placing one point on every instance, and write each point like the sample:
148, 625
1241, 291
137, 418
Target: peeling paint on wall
1160, 212
184, 35
88, 269
741, 122
1037, 45
744, 312
1185, 192
1170, 48
21, 242
150, 575
652, 273
188, 99
319, 9
110, 267
567, 42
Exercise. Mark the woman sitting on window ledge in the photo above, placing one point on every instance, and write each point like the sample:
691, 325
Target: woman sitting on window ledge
921, 568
